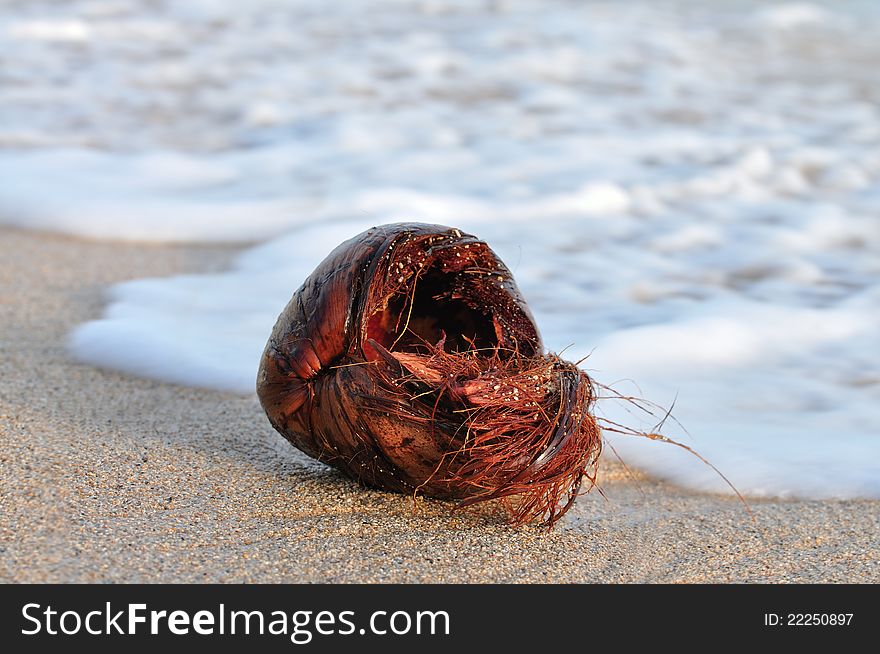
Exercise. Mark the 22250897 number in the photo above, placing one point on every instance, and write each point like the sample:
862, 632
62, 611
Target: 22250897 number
808, 619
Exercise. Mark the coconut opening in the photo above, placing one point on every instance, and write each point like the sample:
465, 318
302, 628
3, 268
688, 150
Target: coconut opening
429, 310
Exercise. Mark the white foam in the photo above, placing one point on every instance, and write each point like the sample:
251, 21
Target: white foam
49, 30
795, 15
784, 402
694, 203
781, 398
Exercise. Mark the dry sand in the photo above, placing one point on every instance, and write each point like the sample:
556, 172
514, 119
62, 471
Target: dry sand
107, 478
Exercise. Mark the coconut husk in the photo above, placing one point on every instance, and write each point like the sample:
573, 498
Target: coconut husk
410, 361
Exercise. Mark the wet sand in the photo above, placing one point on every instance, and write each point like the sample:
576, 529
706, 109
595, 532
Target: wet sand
107, 478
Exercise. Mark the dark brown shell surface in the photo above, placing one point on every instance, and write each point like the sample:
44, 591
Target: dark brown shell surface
410, 361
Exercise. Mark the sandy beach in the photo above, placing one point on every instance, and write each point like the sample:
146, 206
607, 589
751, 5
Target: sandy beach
107, 478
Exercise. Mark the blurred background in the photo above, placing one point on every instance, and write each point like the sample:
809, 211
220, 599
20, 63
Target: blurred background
688, 191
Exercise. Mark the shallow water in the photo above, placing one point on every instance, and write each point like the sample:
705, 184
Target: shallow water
687, 193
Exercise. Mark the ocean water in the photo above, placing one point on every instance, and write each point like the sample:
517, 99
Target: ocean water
687, 192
